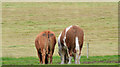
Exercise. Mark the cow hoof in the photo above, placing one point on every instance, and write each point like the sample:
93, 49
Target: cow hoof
69, 62
62, 63
75, 62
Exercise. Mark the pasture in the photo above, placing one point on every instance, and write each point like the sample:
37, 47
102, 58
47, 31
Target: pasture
93, 60
21, 22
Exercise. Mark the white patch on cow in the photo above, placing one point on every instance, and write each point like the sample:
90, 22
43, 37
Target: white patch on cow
68, 28
59, 43
77, 43
77, 51
66, 33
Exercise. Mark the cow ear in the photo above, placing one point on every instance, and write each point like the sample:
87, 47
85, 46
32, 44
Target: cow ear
51, 34
44, 34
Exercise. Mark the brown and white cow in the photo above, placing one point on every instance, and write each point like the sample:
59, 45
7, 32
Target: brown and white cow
70, 42
45, 44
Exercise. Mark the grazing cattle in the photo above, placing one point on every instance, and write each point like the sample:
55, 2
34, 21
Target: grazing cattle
45, 44
70, 42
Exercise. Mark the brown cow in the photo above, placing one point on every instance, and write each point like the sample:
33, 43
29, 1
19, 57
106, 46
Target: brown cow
70, 43
45, 44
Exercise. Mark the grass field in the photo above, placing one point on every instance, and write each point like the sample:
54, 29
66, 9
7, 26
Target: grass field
21, 22
104, 60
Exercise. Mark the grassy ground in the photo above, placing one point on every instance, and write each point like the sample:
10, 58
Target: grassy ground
21, 22
113, 60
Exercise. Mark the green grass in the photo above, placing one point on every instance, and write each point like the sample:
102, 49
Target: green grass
92, 60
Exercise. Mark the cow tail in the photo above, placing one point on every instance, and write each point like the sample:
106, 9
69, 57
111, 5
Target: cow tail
47, 48
77, 43
47, 45
77, 47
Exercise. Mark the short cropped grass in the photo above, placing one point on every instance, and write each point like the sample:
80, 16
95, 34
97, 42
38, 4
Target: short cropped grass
100, 60
21, 22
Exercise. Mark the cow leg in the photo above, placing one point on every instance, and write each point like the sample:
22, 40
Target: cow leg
70, 56
62, 62
43, 56
77, 58
39, 57
66, 59
62, 56
51, 57
80, 54
46, 59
